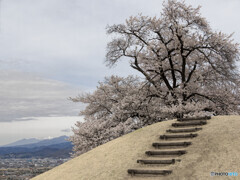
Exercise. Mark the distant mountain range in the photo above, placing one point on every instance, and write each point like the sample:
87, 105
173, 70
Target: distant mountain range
34, 148
22, 142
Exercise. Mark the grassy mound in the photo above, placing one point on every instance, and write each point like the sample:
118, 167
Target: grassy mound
216, 149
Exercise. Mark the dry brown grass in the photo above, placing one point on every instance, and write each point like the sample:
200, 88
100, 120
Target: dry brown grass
215, 149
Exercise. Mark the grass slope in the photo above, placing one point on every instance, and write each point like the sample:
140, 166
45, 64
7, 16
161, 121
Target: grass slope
215, 149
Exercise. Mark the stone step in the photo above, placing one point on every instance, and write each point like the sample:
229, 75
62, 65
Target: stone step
172, 144
183, 130
177, 136
199, 123
178, 152
149, 172
164, 161
194, 118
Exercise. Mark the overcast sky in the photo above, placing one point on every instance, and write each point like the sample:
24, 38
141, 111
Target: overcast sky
54, 49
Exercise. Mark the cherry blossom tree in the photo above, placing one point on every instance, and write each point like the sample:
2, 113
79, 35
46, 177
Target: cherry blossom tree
182, 58
188, 69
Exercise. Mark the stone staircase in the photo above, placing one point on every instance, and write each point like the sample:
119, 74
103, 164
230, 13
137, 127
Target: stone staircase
171, 147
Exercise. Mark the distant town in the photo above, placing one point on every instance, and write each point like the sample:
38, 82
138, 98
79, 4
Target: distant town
24, 169
27, 158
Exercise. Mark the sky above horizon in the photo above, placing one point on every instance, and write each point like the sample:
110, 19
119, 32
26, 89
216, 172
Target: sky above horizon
51, 50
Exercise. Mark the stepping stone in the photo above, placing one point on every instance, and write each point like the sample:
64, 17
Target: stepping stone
200, 123
183, 130
178, 136
165, 161
149, 172
178, 152
194, 119
184, 144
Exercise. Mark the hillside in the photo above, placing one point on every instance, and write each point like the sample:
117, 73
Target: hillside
215, 149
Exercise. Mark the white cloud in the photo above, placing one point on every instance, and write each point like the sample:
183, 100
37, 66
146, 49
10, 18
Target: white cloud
25, 94
66, 130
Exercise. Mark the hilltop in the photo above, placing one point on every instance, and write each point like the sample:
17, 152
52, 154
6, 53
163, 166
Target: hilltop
216, 149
